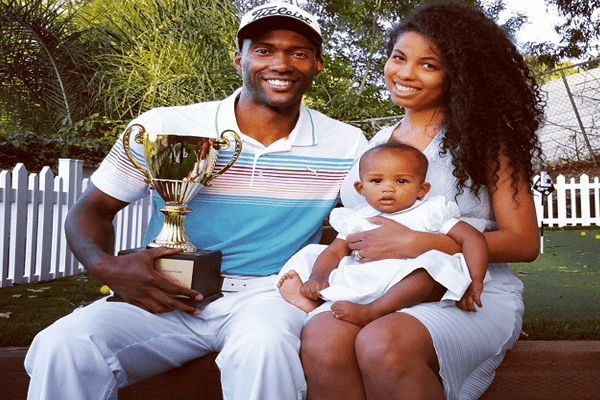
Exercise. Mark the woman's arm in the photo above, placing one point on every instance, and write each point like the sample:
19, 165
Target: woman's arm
517, 237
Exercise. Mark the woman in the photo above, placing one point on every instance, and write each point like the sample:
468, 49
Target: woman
473, 108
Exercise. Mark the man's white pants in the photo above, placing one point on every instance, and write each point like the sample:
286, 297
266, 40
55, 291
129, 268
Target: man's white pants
105, 346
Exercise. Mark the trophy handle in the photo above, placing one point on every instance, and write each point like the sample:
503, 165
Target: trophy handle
225, 143
139, 139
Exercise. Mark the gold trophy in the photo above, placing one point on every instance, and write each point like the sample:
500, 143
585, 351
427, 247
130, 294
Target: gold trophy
178, 166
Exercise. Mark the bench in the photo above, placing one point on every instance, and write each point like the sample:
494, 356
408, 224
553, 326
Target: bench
532, 370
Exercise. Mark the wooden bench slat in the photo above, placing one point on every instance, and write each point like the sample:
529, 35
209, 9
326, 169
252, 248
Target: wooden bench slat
532, 370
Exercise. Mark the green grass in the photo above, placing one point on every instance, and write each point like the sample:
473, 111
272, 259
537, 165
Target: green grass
562, 294
27, 309
562, 287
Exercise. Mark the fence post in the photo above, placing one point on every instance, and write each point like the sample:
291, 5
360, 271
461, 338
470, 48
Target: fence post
550, 211
561, 200
596, 191
5, 199
71, 171
46, 218
57, 228
573, 201
18, 224
584, 196
32, 233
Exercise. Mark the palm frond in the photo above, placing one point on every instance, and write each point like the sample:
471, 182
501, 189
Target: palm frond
171, 52
42, 59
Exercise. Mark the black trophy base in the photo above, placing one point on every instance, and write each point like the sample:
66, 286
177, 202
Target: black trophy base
200, 271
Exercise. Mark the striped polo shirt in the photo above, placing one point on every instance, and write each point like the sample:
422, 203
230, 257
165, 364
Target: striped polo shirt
268, 205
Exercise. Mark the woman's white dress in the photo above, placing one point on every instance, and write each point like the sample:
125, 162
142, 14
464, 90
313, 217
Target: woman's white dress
469, 346
363, 283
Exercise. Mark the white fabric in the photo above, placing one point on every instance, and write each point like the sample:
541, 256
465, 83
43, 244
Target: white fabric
113, 345
469, 345
430, 214
363, 283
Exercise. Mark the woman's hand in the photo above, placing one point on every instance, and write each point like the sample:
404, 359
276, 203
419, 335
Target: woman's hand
394, 240
390, 240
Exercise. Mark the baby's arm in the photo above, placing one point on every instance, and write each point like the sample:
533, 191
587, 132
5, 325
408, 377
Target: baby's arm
475, 250
327, 261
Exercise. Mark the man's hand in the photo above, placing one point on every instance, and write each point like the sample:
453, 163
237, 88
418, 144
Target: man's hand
471, 297
134, 278
312, 288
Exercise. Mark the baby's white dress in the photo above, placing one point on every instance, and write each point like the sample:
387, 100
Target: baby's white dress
364, 282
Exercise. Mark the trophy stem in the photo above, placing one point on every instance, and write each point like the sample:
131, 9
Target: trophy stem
173, 233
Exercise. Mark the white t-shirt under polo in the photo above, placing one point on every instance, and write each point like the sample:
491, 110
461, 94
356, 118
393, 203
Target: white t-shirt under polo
268, 205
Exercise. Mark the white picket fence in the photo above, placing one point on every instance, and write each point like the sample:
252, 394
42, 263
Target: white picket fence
571, 203
33, 208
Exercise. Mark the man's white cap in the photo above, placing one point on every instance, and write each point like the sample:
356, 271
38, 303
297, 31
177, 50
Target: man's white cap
274, 16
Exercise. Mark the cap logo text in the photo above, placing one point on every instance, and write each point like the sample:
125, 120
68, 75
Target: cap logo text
279, 11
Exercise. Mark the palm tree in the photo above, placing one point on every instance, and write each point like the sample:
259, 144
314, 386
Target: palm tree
44, 66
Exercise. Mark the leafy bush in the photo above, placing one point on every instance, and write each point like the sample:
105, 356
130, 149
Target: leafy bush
89, 140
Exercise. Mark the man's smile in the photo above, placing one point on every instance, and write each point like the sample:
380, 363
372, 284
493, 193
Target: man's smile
279, 82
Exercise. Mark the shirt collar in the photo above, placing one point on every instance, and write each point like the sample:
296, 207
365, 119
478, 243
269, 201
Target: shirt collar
303, 134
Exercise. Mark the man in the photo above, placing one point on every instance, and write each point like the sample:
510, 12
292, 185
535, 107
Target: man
267, 206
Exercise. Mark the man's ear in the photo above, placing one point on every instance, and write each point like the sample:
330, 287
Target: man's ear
237, 60
424, 189
319, 66
358, 186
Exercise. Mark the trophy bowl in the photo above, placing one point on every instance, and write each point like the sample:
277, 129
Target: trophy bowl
178, 166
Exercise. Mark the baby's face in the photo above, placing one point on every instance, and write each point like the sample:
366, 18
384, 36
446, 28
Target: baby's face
390, 182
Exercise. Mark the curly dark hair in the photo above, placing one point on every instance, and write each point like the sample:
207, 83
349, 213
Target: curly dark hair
492, 101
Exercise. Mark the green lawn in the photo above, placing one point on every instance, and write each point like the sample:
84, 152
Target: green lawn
27, 309
562, 287
562, 294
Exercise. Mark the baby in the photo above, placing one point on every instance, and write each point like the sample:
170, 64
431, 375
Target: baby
392, 180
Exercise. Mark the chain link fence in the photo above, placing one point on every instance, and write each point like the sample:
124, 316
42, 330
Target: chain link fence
572, 128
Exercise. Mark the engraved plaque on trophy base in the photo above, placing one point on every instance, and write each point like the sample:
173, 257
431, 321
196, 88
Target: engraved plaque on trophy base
200, 271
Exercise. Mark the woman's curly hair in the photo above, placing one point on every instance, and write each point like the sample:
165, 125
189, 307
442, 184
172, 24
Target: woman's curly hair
492, 101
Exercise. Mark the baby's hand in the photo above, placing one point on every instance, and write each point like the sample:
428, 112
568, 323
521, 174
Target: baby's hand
312, 288
471, 297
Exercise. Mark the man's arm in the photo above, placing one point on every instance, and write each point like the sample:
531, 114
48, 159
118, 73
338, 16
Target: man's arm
90, 235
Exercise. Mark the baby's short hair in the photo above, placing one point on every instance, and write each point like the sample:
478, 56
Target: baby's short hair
398, 148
